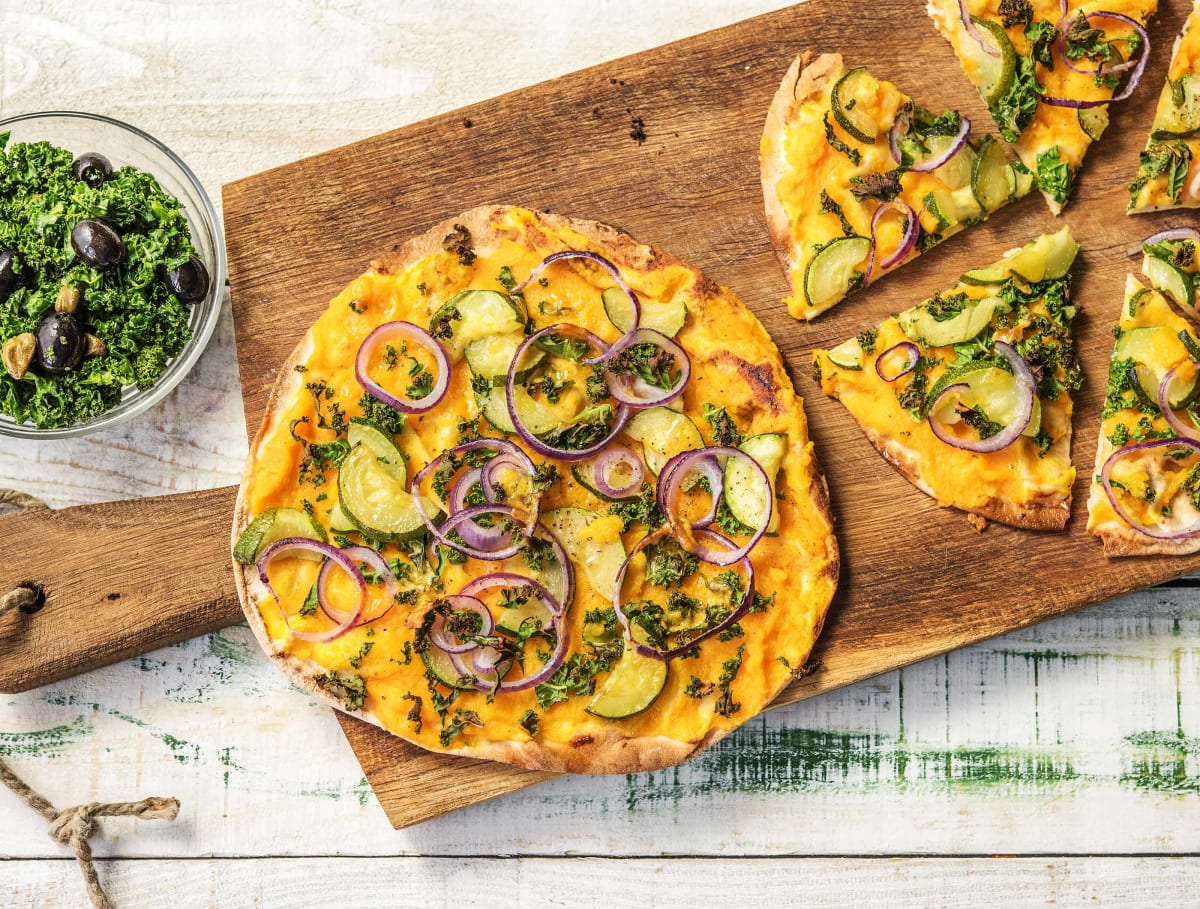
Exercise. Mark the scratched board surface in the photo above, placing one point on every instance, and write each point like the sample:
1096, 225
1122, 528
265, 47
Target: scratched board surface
917, 580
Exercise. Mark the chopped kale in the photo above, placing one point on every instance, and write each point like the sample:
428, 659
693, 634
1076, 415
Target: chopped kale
1015, 12
559, 346
867, 340
529, 722
641, 509
697, 688
884, 187
458, 241
1158, 160
1016, 109
414, 713
461, 720
350, 690
1054, 175
839, 146
725, 431
1041, 36
668, 564
380, 415
585, 429
726, 706
829, 207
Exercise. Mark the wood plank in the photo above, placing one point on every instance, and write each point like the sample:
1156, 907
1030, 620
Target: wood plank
311, 883
935, 585
1074, 722
119, 579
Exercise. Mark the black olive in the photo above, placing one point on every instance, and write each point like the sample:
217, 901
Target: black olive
61, 344
97, 243
189, 282
91, 168
10, 261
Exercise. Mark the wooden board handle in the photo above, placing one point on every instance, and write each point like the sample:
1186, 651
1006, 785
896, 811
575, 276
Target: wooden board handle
120, 579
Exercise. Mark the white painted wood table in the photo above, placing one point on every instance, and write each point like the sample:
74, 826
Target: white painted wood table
1072, 749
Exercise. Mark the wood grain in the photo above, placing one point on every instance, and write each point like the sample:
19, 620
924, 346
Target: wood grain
120, 579
918, 580
876, 883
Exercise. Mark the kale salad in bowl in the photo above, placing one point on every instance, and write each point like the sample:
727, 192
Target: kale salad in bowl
112, 271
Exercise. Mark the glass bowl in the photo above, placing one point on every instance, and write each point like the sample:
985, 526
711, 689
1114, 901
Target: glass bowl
124, 144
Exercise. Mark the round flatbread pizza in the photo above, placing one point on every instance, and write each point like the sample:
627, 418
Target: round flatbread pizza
531, 491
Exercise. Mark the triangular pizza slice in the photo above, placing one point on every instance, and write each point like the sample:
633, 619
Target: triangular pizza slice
1047, 70
1169, 170
857, 180
1145, 493
968, 394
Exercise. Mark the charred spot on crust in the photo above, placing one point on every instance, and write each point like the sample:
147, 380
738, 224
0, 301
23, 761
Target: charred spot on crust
458, 241
761, 378
580, 740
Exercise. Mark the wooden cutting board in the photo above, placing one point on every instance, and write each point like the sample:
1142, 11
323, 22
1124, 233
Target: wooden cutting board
917, 581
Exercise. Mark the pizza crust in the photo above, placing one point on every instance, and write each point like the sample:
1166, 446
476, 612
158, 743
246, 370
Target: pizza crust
611, 752
806, 78
1043, 512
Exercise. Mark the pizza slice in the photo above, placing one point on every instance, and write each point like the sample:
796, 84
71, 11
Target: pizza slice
1169, 172
968, 394
857, 180
1047, 70
1145, 494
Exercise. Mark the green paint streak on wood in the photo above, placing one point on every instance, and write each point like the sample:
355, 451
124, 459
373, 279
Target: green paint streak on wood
757, 759
183, 751
230, 644
225, 756
1160, 762
44, 742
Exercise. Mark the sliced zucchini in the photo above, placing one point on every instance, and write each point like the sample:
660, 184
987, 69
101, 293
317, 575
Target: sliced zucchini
990, 176
847, 355
480, 313
339, 523
277, 524
743, 492
1022, 181
1049, 256
440, 667
833, 271
373, 499
1157, 350
381, 444
663, 433
955, 173
632, 686
533, 609
537, 417
600, 561
994, 391
1093, 121
953, 208
920, 325
1181, 118
583, 476
667, 318
1167, 279
991, 276
491, 356
992, 74
845, 100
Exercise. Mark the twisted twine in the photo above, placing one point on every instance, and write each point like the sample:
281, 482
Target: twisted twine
72, 826
26, 596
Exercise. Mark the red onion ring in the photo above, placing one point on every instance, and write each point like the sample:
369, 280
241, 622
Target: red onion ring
462, 488
912, 354
671, 487
608, 461
989, 48
510, 579
736, 615
547, 451
330, 552
907, 242
464, 523
598, 260
1155, 533
676, 470
1134, 78
932, 163
1026, 385
1173, 234
451, 643
481, 535
488, 480
403, 331
631, 390
378, 563
1182, 429
899, 128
